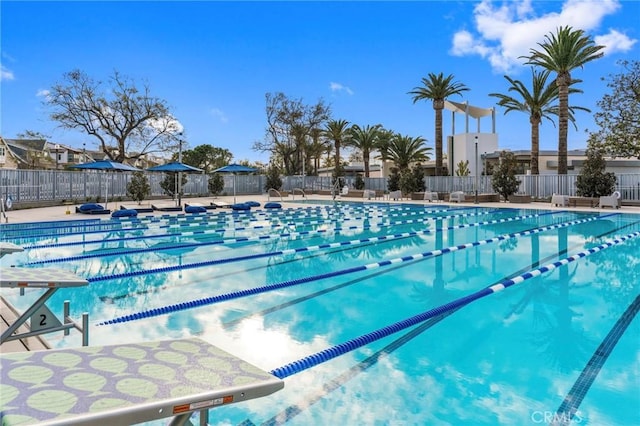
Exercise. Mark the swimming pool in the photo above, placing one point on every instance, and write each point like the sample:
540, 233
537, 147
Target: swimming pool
328, 279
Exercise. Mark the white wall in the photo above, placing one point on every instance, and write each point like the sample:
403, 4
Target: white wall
464, 148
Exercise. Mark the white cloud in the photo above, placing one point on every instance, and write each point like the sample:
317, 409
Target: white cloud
505, 32
5, 74
337, 87
219, 114
615, 42
43, 93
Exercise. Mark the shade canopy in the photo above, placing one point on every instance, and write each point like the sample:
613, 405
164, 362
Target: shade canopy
235, 168
175, 166
106, 165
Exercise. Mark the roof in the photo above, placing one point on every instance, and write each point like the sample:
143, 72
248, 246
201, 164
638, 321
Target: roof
465, 108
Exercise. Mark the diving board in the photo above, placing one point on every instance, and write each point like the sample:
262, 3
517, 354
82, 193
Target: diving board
45, 321
126, 383
8, 248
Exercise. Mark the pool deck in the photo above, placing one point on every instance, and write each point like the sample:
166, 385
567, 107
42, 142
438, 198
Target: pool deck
64, 212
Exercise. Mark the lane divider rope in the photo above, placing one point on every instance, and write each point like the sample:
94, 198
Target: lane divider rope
263, 289
350, 345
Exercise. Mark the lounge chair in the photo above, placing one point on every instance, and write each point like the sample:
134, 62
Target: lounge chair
166, 208
92, 208
457, 197
369, 194
205, 206
221, 204
612, 200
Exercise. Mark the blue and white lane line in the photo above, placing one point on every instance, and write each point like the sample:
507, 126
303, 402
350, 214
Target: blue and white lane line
285, 252
342, 348
298, 281
195, 233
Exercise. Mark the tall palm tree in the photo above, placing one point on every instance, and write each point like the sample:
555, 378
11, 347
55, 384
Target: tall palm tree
365, 140
561, 53
438, 88
539, 103
404, 150
338, 132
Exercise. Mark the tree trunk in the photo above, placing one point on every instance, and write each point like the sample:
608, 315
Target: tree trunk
535, 144
563, 120
438, 106
337, 143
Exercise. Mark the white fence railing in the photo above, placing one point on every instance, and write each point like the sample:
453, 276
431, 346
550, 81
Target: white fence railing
32, 186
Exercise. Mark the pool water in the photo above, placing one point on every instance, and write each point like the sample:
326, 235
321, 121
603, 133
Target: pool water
555, 348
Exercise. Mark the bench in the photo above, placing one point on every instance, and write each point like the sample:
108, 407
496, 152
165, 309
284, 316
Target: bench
126, 383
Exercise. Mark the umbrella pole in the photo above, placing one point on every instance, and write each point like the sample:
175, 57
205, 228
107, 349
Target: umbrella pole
106, 189
234, 188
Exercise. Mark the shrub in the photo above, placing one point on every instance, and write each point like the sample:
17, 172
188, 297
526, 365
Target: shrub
273, 178
593, 181
393, 183
504, 175
215, 183
359, 183
138, 187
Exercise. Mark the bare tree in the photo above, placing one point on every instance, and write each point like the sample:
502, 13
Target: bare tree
127, 121
289, 123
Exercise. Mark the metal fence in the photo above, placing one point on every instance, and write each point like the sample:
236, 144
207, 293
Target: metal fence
51, 186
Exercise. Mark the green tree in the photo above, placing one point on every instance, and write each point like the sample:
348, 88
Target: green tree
215, 183
561, 53
405, 150
538, 103
619, 115
138, 187
593, 181
365, 140
417, 173
207, 157
437, 88
127, 121
504, 175
337, 131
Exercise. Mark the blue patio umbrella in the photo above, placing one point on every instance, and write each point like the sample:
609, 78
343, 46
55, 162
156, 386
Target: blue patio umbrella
235, 169
106, 165
176, 167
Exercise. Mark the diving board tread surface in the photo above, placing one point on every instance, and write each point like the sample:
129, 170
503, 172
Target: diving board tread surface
125, 384
8, 248
40, 277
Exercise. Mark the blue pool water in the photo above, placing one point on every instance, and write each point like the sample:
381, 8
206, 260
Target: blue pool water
556, 346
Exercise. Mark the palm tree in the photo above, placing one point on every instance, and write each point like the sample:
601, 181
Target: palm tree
365, 140
338, 132
538, 103
404, 150
438, 88
561, 53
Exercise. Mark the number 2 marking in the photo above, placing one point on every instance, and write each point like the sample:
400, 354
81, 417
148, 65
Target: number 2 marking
43, 320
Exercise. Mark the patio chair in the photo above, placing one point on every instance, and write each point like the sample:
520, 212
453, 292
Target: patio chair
395, 195
456, 196
560, 200
430, 196
612, 200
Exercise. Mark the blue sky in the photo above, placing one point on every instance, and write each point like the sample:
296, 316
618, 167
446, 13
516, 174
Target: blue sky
213, 61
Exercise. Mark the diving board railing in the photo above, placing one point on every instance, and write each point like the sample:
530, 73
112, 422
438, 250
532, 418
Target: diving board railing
127, 383
42, 320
